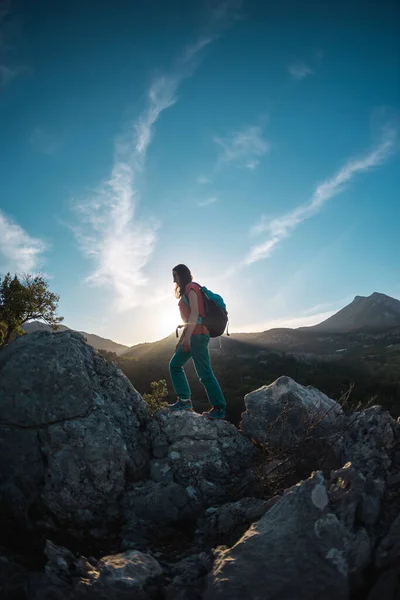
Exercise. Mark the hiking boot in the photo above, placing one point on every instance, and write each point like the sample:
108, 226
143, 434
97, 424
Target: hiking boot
181, 405
215, 413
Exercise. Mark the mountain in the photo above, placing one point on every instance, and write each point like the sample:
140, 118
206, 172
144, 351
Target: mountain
374, 312
94, 340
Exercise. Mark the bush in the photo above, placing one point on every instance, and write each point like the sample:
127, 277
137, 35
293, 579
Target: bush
155, 400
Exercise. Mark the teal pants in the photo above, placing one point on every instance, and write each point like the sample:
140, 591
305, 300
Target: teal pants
201, 359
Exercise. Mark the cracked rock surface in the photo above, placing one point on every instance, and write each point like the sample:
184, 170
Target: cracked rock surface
72, 430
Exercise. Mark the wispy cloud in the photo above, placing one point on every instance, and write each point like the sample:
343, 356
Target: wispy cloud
299, 69
110, 231
292, 322
45, 141
8, 71
202, 180
19, 252
281, 227
208, 201
243, 148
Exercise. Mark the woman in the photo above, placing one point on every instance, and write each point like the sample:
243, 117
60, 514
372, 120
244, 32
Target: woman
193, 344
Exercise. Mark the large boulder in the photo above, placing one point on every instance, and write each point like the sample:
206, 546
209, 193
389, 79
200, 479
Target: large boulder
279, 415
212, 457
196, 463
72, 432
295, 551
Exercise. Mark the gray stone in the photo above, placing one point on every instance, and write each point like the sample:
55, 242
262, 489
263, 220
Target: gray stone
369, 441
160, 471
115, 577
279, 414
72, 431
157, 502
211, 457
388, 551
226, 523
188, 577
295, 551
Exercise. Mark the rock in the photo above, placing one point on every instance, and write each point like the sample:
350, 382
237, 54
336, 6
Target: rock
278, 415
203, 462
73, 425
388, 551
369, 439
199, 452
196, 463
296, 550
188, 578
116, 577
348, 495
226, 523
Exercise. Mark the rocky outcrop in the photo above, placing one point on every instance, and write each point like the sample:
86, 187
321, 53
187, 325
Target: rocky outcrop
90, 454
225, 524
72, 432
194, 463
278, 415
319, 540
296, 550
84, 464
118, 577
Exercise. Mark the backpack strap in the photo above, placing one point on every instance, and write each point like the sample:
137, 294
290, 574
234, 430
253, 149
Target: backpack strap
186, 301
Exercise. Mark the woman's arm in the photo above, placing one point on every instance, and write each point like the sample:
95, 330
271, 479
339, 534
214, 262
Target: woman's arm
194, 315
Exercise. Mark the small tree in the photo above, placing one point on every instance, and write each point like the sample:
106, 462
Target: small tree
155, 400
23, 300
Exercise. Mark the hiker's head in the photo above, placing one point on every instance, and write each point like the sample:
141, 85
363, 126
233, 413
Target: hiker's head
181, 276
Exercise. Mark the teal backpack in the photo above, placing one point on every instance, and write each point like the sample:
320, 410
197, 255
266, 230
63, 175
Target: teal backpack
216, 315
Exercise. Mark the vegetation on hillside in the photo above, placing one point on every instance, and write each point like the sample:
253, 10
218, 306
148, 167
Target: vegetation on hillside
372, 374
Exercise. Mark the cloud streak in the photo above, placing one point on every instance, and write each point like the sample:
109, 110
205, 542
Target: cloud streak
110, 232
281, 227
299, 70
291, 322
19, 252
243, 148
208, 201
7, 31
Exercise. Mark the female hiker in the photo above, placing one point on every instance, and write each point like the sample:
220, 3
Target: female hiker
193, 344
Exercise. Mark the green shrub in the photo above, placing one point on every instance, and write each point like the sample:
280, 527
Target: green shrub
155, 400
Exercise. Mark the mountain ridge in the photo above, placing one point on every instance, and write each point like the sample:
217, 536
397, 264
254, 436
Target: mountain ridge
98, 342
378, 312
365, 312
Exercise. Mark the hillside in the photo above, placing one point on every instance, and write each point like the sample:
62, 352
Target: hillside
94, 340
376, 311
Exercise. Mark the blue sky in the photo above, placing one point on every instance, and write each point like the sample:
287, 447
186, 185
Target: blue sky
257, 142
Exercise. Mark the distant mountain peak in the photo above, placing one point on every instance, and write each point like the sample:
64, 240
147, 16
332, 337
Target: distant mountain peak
374, 296
378, 311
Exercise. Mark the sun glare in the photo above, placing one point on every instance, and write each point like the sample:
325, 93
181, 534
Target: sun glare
168, 319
